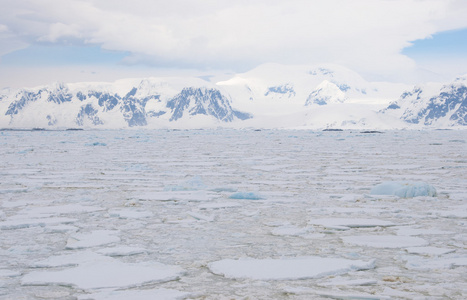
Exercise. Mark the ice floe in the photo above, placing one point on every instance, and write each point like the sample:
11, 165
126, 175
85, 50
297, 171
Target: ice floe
404, 189
25, 223
339, 281
110, 273
130, 213
201, 217
247, 196
347, 223
429, 250
291, 230
93, 239
159, 294
122, 251
334, 294
287, 268
426, 264
384, 241
178, 196
219, 205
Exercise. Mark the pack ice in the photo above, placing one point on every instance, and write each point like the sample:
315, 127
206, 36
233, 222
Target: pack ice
232, 214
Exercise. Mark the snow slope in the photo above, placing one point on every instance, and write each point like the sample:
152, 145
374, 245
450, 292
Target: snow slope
269, 96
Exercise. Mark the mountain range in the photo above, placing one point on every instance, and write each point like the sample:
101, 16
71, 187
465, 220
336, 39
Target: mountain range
269, 96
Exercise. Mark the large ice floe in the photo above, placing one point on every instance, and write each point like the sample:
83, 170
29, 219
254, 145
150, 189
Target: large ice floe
287, 269
96, 272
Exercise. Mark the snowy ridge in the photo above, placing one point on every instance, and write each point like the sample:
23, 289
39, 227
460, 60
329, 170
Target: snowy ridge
125, 103
433, 104
269, 96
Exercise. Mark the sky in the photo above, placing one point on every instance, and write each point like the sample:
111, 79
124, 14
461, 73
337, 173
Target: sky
43, 41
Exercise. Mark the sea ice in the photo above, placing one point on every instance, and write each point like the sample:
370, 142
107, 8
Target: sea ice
420, 231
72, 259
287, 269
92, 239
61, 228
194, 196
408, 189
122, 251
159, 294
290, 230
109, 273
59, 210
193, 184
25, 223
130, 213
353, 282
333, 294
246, 196
347, 223
420, 263
219, 205
201, 217
384, 241
429, 250
455, 212
9, 273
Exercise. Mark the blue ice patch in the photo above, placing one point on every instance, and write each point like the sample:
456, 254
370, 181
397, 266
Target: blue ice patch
246, 196
402, 189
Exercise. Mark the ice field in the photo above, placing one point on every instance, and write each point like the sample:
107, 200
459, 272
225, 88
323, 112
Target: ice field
233, 214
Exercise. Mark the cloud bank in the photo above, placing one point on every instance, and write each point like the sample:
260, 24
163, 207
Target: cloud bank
366, 35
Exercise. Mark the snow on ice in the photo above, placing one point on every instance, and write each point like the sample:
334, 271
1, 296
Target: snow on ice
287, 269
385, 241
92, 239
109, 273
159, 294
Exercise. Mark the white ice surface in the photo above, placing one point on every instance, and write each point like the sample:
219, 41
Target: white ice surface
424, 264
290, 230
347, 223
311, 293
429, 250
287, 269
72, 259
159, 294
25, 223
106, 273
121, 251
92, 239
130, 213
162, 197
385, 241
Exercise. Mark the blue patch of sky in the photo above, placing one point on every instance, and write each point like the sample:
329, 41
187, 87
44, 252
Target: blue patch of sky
57, 55
447, 44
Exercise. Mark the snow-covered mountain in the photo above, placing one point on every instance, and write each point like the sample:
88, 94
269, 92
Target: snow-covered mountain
317, 97
125, 103
434, 105
269, 96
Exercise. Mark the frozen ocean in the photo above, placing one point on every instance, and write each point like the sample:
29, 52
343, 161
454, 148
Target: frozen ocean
233, 214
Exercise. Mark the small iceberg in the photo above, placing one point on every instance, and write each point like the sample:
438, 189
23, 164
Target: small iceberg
246, 196
403, 189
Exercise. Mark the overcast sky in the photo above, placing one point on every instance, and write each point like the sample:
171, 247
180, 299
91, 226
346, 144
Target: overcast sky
71, 40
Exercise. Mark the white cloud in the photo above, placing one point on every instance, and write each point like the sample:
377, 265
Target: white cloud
366, 35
